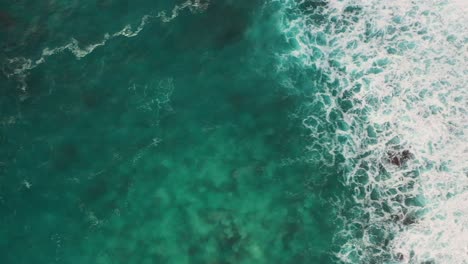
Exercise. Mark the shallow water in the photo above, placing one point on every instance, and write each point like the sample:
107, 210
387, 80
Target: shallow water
232, 132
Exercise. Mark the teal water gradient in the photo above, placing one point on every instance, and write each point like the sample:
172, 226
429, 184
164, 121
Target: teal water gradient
182, 144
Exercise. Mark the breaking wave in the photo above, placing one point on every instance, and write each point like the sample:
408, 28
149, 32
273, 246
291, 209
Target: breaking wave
389, 106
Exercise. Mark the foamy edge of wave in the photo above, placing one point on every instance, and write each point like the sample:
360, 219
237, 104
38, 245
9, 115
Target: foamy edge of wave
412, 98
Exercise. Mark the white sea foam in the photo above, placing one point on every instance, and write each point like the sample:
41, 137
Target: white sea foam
19, 67
194, 6
396, 81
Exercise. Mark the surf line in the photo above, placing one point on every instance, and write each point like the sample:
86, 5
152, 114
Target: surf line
19, 67
395, 80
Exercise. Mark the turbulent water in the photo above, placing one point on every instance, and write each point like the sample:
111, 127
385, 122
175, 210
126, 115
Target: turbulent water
260, 131
394, 88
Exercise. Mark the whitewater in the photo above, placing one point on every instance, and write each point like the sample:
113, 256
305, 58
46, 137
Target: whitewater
387, 107
394, 88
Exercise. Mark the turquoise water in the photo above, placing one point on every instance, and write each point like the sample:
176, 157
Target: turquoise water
229, 132
173, 146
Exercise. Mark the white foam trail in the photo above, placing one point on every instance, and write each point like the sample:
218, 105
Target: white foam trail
193, 6
402, 65
19, 67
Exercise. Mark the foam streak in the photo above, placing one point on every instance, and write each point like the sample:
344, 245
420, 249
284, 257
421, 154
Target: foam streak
19, 67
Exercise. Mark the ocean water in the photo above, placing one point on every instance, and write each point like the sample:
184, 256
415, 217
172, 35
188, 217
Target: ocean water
260, 131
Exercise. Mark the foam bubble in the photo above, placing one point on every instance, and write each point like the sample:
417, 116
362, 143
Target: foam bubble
394, 93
